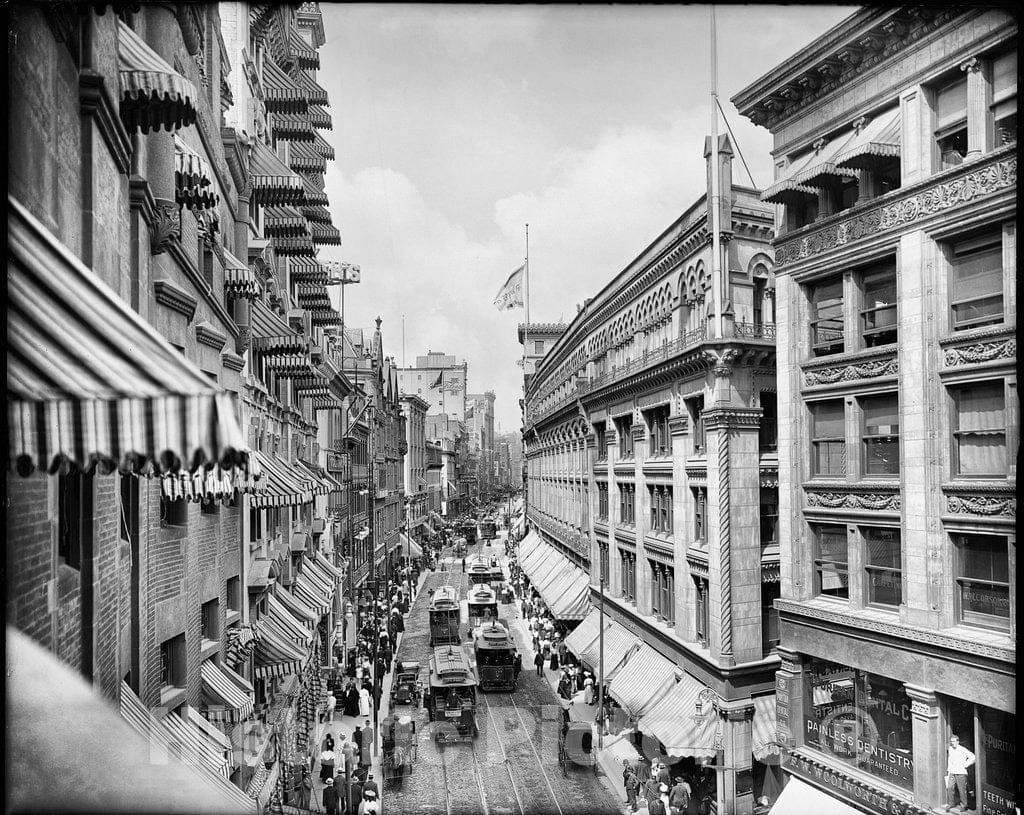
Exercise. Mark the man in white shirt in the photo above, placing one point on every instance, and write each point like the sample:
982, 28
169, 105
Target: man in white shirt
959, 758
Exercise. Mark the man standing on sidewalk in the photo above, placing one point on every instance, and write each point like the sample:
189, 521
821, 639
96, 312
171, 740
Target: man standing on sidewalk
959, 758
538, 660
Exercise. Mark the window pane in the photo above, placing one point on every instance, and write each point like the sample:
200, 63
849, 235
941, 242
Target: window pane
1004, 75
978, 272
951, 103
1000, 753
828, 420
985, 558
981, 407
830, 458
881, 415
832, 544
883, 547
985, 600
981, 455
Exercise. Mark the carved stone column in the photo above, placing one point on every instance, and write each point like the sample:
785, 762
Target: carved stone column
929, 746
737, 744
790, 693
979, 122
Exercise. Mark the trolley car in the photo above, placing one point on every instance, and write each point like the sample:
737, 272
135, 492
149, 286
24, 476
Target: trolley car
467, 529
495, 653
482, 603
452, 695
488, 529
479, 571
444, 616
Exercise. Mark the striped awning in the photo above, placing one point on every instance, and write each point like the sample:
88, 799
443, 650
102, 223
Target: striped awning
303, 613
274, 654
295, 246
321, 145
288, 365
293, 126
319, 118
315, 93
284, 222
281, 93
879, 138
153, 94
811, 171
315, 481
273, 182
238, 644
215, 484
325, 234
193, 179
324, 317
304, 157
198, 744
239, 278
221, 690
408, 546
308, 271
284, 487
165, 742
764, 741
619, 643
89, 380
304, 53
671, 721
328, 569
580, 638
286, 623
311, 594
271, 334
311, 295
325, 584
314, 195
643, 680
320, 215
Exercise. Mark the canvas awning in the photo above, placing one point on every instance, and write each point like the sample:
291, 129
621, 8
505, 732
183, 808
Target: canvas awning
618, 645
304, 53
295, 246
311, 594
581, 637
238, 644
315, 92
409, 547
321, 145
764, 741
273, 182
281, 93
274, 654
284, 222
325, 234
88, 379
271, 334
315, 481
193, 178
571, 598
324, 317
221, 690
312, 295
153, 94
239, 278
304, 157
878, 139
671, 721
643, 680
303, 613
287, 624
199, 743
293, 126
324, 584
314, 195
814, 169
215, 484
319, 118
284, 486
328, 568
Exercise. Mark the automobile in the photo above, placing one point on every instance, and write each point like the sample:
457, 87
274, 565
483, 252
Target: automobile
407, 687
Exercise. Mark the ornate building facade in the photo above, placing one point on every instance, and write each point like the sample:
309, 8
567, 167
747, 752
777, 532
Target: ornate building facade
896, 182
651, 472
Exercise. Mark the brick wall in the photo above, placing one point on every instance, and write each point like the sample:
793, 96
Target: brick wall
29, 557
108, 596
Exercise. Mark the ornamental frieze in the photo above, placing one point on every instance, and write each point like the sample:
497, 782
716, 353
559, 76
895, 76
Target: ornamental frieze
851, 500
984, 505
986, 180
868, 369
981, 352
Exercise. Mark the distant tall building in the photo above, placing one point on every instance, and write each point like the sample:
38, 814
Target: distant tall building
480, 430
440, 381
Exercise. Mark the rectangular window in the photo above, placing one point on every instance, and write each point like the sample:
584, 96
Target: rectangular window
883, 565
210, 620
695, 409
951, 123
538, 346
827, 317
769, 618
234, 593
602, 441
828, 439
983, 580
881, 435
878, 315
255, 524
627, 562
657, 592
701, 626
1004, 99
769, 499
654, 502
700, 512
666, 510
173, 513
976, 282
669, 606
172, 662
980, 430
832, 563
604, 562
658, 439
768, 430
74, 516
760, 286
129, 507
624, 429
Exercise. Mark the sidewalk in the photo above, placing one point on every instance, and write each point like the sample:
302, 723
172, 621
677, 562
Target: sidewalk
346, 725
615, 748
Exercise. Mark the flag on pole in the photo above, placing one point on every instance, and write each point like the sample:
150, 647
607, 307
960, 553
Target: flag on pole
437, 381
511, 294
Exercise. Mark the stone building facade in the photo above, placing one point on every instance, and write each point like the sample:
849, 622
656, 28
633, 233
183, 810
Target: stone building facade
417, 492
896, 180
652, 467
480, 431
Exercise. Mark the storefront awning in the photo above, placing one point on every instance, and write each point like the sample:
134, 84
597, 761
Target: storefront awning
813, 170
193, 179
281, 93
580, 638
303, 157
284, 486
325, 234
618, 645
223, 691
878, 139
287, 624
305, 55
165, 740
153, 94
566, 588
319, 118
239, 278
671, 721
310, 594
199, 743
89, 380
273, 182
274, 654
643, 680
799, 796
764, 743
321, 145
284, 222
527, 545
409, 547
293, 126
299, 610
320, 559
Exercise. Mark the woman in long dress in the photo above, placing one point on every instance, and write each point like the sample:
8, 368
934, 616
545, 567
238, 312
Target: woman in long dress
364, 702
351, 701
588, 689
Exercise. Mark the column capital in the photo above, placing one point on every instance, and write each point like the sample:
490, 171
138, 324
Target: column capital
970, 65
790, 661
924, 702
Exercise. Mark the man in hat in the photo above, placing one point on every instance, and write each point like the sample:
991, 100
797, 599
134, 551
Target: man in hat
370, 785
370, 805
330, 797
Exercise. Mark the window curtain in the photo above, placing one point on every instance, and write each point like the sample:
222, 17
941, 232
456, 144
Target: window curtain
982, 430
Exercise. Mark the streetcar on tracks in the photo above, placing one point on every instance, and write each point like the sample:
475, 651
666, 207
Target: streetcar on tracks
488, 529
495, 653
482, 605
467, 529
481, 572
451, 697
444, 616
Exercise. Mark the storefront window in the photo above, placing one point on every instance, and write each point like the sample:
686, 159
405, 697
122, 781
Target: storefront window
861, 719
991, 735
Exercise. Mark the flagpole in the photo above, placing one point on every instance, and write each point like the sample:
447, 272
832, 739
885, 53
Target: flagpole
717, 283
526, 299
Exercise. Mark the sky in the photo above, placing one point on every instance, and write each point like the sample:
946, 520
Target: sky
456, 125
